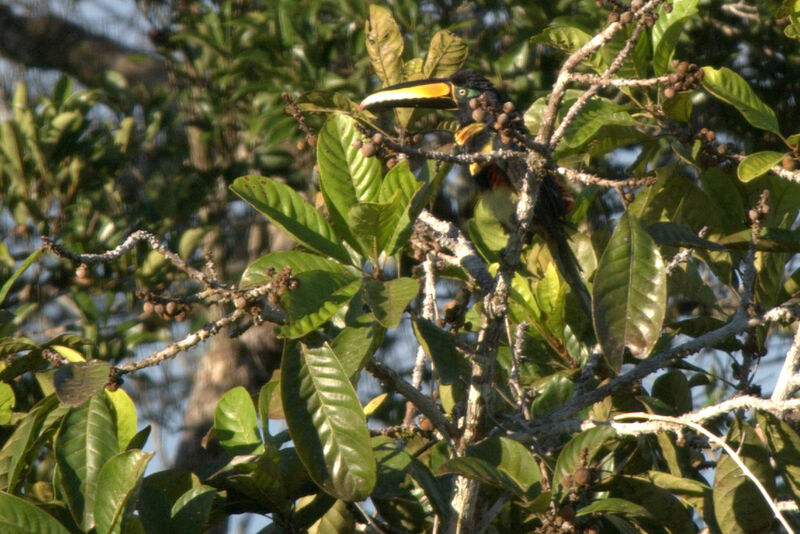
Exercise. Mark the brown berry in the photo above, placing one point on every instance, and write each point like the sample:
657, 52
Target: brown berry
626, 17
582, 477
368, 150
710, 136
789, 163
390, 163
479, 115
474, 103
669, 92
425, 424
501, 121
566, 481
293, 284
240, 302
171, 308
667, 8
357, 143
147, 307
417, 139
181, 316
159, 309
567, 512
683, 66
301, 145
508, 107
312, 140
377, 138
613, 16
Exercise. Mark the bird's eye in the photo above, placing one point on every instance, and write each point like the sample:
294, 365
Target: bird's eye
462, 92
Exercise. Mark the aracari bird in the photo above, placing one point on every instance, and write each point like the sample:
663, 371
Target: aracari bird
470, 95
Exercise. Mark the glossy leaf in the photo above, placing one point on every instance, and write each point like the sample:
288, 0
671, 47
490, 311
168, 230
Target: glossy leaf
7, 402
18, 516
738, 505
758, 164
292, 213
337, 520
784, 447
667, 30
20, 448
511, 457
659, 503
629, 294
117, 490
236, 425
374, 223
728, 86
86, 441
446, 53
299, 262
384, 44
356, 344
388, 300
190, 512
482, 471
125, 418
346, 176
75, 382
326, 423
596, 114
318, 297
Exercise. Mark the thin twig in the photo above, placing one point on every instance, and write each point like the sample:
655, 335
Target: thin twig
587, 178
787, 379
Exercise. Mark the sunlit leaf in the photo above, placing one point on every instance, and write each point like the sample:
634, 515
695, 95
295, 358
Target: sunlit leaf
731, 88
629, 293
117, 490
758, 164
327, 424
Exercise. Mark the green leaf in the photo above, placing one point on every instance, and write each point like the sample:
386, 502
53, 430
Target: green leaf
76, 382
86, 440
672, 388
593, 440
679, 107
611, 505
7, 403
446, 53
236, 425
21, 447
345, 175
449, 364
691, 492
511, 457
373, 224
482, 471
555, 393
668, 511
630, 293
728, 86
738, 505
563, 37
388, 300
117, 490
190, 512
784, 447
667, 31
595, 115
384, 44
758, 164
18, 516
159, 494
326, 102
257, 273
679, 235
289, 211
6, 287
326, 423
319, 296
125, 418
356, 343
337, 520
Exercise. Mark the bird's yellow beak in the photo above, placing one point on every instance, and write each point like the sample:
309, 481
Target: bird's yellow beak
435, 93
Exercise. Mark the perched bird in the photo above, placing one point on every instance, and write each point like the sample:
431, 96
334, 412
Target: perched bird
487, 122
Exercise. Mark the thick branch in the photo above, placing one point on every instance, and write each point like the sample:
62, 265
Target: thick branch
50, 42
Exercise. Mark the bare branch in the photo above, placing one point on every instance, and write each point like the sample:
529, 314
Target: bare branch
788, 379
587, 178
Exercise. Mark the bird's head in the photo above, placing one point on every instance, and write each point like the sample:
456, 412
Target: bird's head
453, 93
